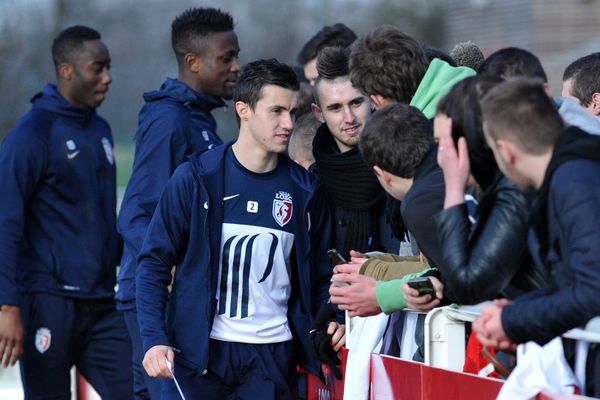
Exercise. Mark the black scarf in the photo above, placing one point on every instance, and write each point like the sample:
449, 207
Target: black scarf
573, 144
352, 186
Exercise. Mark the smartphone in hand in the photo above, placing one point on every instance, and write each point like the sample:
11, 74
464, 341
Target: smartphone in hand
337, 260
423, 285
336, 257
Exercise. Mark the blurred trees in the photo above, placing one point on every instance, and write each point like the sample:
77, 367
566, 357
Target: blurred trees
137, 33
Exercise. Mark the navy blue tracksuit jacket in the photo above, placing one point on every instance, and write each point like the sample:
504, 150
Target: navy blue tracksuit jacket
57, 203
174, 123
186, 231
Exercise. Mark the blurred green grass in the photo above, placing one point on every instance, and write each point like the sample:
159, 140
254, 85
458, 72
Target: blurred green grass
124, 152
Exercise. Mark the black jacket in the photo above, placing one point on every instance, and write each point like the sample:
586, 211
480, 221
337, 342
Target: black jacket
425, 199
489, 258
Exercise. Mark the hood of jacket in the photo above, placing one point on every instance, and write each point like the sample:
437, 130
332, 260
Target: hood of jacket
573, 144
49, 99
181, 93
437, 81
574, 114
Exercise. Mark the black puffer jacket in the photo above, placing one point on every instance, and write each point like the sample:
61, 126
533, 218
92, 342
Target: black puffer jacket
488, 259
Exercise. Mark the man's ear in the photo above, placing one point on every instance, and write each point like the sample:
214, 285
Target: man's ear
242, 109
507, 151
548, 89
316, 110
65, 71
379, 101
595, 104
384, 177
193, 62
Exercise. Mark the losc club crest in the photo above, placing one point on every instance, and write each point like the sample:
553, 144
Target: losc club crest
282, 208
43, 337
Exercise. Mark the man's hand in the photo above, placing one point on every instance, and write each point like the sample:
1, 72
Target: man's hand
11, 335
155, 361
489, 329
454, 161
356, 261
338, 335
326, 337
358, 298
424, 303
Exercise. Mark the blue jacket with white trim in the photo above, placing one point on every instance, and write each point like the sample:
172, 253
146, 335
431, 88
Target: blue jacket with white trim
174, 123
186, 231
57, 203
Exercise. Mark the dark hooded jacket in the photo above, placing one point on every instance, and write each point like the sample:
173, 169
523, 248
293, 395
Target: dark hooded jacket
174, 123
564, 242
57, 203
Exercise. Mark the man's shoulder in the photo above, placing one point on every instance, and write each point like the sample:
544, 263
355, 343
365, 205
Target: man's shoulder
306, 180
576, 173
36, 124
165, 109
429, 185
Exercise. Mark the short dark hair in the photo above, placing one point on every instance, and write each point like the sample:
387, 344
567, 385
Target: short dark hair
585, 75
396, 138
336, 35
300, 145
388, 62
258, 74
70, 41
520, 110
194, 24
512, 62
432, 52
462, 105
332, 63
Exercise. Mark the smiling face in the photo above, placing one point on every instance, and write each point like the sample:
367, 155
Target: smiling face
270, 123
218, 65
344, 109
86, 79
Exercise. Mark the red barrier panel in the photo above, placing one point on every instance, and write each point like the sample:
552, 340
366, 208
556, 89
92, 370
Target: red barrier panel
333, 389
392, 378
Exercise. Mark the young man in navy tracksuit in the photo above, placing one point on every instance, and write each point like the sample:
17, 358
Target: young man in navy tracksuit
248, 231
175, 122
58, 242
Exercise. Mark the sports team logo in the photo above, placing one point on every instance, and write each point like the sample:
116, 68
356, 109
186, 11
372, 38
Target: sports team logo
282, 208
43, 338
108, 149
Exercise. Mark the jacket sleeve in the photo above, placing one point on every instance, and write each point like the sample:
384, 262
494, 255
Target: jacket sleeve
23, 160
418, 216
165, 241
390, 295
394, 267
161, 147
478, 269
577, 215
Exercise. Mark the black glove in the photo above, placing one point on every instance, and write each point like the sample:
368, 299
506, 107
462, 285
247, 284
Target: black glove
321, 341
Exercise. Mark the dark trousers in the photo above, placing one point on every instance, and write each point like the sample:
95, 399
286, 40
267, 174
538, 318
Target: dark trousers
144, 387
239, 371
63, 332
